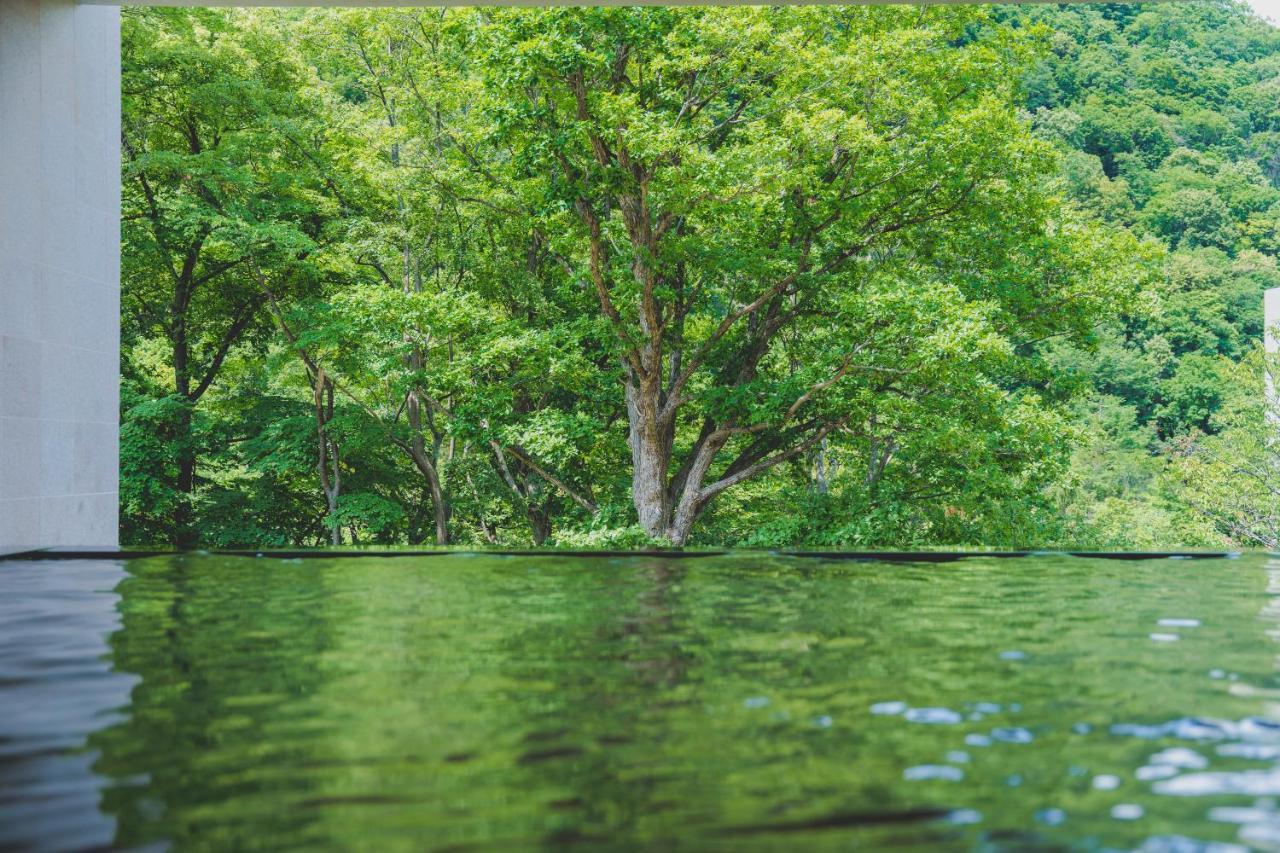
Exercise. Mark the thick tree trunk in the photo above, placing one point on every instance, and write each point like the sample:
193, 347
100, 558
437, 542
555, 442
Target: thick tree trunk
650, 461
688, 496
666, 504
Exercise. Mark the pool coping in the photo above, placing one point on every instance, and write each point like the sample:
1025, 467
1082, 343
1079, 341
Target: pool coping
117, 553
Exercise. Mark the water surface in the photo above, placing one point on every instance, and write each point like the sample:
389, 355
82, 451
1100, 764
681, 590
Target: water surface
744, 702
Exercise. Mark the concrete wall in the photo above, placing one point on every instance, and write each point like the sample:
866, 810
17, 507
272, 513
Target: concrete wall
59, 273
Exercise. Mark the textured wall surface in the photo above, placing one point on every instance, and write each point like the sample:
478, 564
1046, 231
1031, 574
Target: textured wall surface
59, 273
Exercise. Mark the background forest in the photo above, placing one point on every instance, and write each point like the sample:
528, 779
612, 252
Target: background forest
764, 277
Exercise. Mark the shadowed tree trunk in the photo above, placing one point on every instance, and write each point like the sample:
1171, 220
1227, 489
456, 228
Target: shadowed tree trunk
328, 453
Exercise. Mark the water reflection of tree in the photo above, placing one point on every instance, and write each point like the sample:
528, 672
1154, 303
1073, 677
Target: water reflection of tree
224, 653
624, 673
511, 702
402, 704
380, 703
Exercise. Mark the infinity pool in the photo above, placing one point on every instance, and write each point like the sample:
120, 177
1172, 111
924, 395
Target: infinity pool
743, 701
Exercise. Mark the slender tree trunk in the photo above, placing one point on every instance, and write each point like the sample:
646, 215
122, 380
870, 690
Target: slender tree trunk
823, 469
184, 531
335, 530
328, 462
440, 506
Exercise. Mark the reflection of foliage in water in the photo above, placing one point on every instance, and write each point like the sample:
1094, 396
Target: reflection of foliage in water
410, 703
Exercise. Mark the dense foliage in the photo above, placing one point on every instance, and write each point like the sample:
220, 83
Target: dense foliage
1169, 124
857, 276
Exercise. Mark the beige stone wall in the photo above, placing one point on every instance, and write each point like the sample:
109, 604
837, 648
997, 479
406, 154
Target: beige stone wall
59, 273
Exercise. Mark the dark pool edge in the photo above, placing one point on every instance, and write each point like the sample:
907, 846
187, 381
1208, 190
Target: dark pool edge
114, 553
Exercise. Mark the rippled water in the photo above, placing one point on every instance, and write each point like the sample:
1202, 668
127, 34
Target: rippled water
744, 702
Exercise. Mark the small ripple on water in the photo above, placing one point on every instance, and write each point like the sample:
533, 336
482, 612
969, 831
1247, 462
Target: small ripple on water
1152, 773
891, 709
1106, 782
1259, 825
1256, 783
1012, 734
1240, 814
941, 716
1180, 757
1251, 751
1263, 835
930, 772
1203, 729
1051, 816
1127, 811
1183, 844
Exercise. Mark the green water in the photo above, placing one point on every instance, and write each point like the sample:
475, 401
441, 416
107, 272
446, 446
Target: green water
740, 702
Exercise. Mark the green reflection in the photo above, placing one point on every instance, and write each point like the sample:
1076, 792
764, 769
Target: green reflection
502, 702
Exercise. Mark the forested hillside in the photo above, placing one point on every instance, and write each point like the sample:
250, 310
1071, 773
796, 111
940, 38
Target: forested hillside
804, 276
1169, 120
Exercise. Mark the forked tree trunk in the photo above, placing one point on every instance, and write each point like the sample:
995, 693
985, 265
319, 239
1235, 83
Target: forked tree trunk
667, 503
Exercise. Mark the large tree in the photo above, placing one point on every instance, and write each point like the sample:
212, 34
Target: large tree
737, 186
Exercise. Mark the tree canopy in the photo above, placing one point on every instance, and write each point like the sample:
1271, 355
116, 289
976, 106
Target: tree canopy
844, 276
